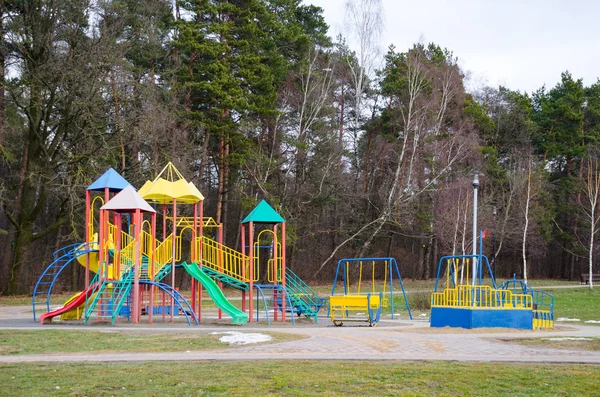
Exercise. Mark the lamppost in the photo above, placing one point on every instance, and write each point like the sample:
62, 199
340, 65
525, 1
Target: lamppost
475, 187
494, 212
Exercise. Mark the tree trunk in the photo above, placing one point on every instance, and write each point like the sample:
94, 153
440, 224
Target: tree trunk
220, 177
2, 95
527, 200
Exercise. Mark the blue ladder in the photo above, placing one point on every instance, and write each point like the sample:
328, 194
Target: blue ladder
61, 259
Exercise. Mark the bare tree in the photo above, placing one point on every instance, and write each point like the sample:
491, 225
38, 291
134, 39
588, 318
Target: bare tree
420, 156
364, 27
591, 191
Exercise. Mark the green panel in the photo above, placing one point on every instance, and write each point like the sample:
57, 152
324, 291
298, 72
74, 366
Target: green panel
263, 213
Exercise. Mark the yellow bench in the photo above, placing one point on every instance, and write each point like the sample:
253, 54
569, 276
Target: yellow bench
341, 307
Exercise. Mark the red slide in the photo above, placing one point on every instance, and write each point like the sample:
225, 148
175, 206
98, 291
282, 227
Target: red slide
70, 306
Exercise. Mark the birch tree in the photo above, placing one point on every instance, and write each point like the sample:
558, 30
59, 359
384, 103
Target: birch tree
364, 28
591, 191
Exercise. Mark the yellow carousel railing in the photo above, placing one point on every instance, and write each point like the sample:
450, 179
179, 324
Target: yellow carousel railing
480, 296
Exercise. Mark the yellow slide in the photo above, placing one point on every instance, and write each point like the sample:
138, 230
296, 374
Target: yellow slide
77, 312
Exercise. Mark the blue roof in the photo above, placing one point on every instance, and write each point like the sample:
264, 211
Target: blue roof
112, 180
263, 213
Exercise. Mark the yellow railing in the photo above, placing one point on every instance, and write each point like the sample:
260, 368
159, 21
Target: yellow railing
480, 296
188, 221
269, 270
164, 253
542, 319
223, 259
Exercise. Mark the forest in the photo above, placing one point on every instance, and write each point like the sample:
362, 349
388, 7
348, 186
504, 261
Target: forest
363, 152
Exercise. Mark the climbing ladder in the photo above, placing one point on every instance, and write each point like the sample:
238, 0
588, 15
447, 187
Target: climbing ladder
44, 285
304, 299
110, 298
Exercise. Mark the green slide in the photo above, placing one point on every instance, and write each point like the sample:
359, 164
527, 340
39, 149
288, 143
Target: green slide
237, 316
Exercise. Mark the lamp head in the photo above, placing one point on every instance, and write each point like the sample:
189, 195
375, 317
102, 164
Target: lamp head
475, 179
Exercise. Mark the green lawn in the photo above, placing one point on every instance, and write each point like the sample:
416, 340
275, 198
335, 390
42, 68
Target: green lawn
578, 303
273, 378
558, 342
66, 341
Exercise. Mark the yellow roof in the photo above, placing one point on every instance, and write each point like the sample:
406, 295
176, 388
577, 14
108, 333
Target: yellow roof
195, 190
164, 191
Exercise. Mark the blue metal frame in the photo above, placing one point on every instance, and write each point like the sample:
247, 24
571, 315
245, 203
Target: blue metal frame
392, 263
541, 300
62, 258
177, 297
479, 257
259, 289
276, 304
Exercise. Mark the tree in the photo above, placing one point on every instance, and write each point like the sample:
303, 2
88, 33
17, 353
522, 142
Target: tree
364, 26
423, 138
591, 191
56, 96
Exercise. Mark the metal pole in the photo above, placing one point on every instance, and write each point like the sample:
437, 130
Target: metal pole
494, 212
475, 187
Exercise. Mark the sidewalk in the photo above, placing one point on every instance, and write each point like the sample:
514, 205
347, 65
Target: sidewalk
389, 340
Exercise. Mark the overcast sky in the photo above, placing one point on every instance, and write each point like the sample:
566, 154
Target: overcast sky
521, 44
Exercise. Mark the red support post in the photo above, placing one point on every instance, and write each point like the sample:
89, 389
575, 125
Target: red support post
137, 226
274, 270
283, 268
220, 263
174, 252
251, 248
152, 266
87, 238
200, 257
101, 243
243, 251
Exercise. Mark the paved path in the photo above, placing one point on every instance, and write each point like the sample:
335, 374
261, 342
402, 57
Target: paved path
390, 340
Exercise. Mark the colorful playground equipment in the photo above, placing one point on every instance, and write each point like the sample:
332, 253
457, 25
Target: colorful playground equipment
368, 286
459, 304
130, 272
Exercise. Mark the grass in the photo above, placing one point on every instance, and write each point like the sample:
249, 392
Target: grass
66, 341
587, 344
578, 303
25, 300
273, 378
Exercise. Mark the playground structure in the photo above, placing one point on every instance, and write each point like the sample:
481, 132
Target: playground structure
514, 304
130, 272
362, 294
476, 305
